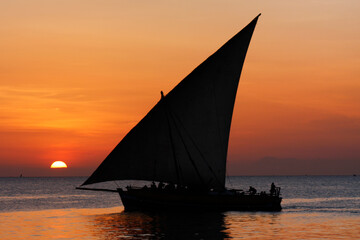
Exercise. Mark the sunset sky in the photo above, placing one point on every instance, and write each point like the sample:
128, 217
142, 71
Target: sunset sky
76, 76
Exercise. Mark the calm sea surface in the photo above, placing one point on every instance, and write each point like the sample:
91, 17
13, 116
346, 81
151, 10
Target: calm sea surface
314, 207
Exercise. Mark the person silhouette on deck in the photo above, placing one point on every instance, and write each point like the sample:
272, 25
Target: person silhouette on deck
153, 185
272, 189
252, 190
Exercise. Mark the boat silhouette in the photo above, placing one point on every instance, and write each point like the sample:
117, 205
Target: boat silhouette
182, 143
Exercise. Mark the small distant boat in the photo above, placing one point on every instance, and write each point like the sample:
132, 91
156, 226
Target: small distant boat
182, 143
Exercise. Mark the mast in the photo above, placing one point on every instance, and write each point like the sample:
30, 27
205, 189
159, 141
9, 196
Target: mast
188, 129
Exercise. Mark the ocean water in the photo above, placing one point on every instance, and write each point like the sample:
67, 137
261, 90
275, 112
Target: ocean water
314, 207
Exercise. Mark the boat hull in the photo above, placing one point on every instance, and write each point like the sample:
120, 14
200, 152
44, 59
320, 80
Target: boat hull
152, 200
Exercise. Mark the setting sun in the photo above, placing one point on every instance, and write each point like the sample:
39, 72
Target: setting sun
58, 164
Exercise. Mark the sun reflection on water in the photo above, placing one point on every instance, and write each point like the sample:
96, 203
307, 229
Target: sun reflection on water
113, 223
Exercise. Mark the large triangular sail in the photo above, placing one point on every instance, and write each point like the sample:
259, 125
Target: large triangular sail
184, 138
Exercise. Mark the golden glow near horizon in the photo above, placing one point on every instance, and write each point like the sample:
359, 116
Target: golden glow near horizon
58, 164
76, 76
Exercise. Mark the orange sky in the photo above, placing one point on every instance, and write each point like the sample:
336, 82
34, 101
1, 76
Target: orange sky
76, 76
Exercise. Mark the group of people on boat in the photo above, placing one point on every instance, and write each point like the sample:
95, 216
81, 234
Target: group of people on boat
169, 187
274, 191
163, 186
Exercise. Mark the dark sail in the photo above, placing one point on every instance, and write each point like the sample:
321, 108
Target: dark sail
184, 138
